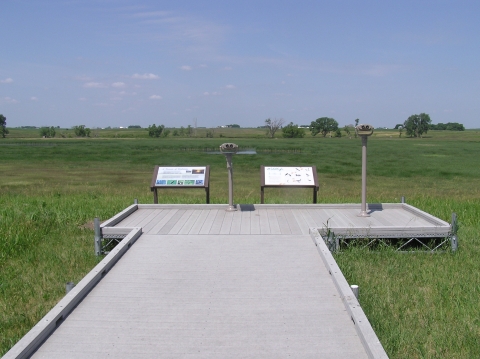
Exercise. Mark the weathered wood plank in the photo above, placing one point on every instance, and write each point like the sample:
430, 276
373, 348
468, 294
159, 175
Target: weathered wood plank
311, 219
164, 219
227, 223
217, 222
293, 223
282, 222
148, 217
301, 222
181, 222
236, 223
255, 222
160, 214
246, 222
264, 223
273, 222
209, 221
191, 221
171, 223
199, 222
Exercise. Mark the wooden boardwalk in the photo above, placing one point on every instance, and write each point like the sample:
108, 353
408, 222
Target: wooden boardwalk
386, 220
195, 281
197, 296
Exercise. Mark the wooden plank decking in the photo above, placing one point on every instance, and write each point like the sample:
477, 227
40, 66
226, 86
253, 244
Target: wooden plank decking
201, 282
386, 220
203, 296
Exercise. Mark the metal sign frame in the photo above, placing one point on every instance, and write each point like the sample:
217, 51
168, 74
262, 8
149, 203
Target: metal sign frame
314, 186
206, 182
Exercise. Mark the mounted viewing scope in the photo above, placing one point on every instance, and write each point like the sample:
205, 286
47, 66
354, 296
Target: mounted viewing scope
364, 130
228, 148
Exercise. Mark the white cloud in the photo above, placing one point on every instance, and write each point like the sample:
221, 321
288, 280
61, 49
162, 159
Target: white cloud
82, 99
155, 97
145, 76
10, 100
118, 84
206, 93
7, 81
227, 68
34, 98
230, 87
186, 68
94, 85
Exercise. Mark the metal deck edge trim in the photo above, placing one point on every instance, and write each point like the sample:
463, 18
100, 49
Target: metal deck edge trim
49, 323
387, 232
367, 335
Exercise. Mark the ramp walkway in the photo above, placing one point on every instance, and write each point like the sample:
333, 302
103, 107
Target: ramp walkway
195, 281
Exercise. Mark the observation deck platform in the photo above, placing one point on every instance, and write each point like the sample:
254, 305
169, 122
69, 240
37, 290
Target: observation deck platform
195, 281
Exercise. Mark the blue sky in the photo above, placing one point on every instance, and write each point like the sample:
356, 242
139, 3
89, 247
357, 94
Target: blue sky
119, 62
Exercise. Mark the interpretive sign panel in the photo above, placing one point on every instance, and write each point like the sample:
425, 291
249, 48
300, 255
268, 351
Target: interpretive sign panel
288, 176
180, 177
277, 176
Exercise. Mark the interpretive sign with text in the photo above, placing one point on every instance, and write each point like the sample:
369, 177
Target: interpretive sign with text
300, 177
289, 176
180, 176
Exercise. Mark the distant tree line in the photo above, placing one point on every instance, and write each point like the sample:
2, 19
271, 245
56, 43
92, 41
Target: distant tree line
449, 126
323, 125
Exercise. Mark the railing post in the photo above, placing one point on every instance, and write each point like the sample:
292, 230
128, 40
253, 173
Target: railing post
454, 227
364, 131
98, 237
69, 286
355, 290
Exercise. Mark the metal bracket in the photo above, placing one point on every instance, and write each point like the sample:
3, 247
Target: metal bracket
104, 243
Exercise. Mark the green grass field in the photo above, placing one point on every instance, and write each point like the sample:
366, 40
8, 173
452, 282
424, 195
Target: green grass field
420, 305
